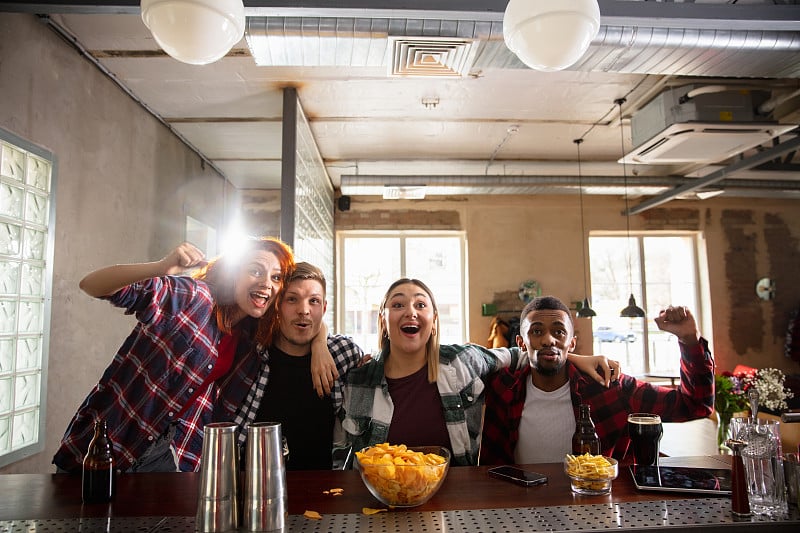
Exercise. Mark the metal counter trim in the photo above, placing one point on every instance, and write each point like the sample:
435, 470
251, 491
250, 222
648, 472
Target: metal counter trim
710, 513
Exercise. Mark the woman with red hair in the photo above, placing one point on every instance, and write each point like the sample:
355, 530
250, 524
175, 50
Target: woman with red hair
188, 361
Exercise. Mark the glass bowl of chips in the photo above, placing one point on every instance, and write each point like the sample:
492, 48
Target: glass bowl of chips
399, 476
590, 474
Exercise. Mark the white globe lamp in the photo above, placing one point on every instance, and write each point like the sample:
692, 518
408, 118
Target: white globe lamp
550, 35
197, 32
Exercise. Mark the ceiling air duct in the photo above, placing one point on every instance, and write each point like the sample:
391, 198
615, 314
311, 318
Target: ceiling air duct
696, 124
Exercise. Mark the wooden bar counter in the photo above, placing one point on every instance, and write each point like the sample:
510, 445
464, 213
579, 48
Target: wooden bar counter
469, 500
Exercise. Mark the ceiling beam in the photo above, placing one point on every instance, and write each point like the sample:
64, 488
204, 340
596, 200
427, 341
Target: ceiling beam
613, 12
718, 175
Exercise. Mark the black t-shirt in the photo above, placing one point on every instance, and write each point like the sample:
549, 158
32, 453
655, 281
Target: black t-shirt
306, 419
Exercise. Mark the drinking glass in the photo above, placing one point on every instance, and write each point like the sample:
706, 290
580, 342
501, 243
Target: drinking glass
763, 464
645, 431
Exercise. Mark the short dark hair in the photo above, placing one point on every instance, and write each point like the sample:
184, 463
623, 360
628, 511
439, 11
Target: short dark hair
545, 302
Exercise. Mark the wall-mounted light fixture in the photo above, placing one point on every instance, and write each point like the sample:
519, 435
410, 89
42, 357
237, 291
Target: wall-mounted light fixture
550, 35
765, 289
197, 32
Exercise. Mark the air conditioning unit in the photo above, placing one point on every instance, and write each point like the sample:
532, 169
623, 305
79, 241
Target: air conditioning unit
710, 127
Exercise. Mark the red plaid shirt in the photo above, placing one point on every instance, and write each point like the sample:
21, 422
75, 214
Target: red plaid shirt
505, 398
169, 353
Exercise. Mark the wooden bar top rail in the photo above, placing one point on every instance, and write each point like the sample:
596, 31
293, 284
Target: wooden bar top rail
58, 496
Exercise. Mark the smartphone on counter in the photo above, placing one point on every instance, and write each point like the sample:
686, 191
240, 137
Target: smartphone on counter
526, 478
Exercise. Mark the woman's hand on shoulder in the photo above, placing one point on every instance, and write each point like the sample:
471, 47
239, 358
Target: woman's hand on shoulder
598, 367
323, 367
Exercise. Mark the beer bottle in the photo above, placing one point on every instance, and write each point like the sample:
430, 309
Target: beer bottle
99, 477
585, 439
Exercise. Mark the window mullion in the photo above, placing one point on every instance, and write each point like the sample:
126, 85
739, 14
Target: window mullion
643, 292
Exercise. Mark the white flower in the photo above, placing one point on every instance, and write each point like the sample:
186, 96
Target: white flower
771, 392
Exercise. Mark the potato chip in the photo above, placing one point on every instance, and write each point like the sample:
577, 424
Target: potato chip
369, 511
594, 471
402, 476
312, 515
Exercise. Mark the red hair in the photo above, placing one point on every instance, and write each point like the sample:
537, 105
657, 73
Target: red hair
220, 274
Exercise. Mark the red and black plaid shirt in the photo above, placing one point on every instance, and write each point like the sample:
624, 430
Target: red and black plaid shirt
505, 398
153, 377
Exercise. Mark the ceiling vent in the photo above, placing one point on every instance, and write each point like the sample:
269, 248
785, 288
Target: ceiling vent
698, 125
431, 57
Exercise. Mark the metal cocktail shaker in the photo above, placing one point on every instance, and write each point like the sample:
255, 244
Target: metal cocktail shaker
217, 506
265, 497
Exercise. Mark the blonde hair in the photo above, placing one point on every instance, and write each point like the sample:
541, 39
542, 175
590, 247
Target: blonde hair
431, 347
221, 272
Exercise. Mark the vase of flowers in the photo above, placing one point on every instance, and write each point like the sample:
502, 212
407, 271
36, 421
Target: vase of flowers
730, 398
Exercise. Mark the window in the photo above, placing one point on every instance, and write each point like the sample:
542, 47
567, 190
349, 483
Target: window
659, 270
370, 262
26, 241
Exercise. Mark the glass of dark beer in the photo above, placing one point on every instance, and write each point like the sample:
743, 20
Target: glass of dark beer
645, 431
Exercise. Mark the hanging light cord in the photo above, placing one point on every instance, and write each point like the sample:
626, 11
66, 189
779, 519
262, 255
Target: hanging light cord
583, 228
619, 102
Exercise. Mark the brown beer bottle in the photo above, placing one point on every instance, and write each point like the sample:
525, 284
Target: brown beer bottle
585, 439
99, 477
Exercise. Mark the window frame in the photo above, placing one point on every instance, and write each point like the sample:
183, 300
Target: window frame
39, 444
402, 235
702, 312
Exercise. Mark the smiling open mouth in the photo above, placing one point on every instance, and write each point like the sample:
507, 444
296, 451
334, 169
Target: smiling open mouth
260, 297
410, 329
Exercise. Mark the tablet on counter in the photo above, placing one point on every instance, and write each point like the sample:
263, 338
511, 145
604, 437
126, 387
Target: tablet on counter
682, 479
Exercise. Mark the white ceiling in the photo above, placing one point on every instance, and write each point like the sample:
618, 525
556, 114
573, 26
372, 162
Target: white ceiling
502, 128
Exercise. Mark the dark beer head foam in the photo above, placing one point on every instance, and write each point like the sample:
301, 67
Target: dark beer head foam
644, 419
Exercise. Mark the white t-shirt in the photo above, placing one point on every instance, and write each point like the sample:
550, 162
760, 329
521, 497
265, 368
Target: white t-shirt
546, 427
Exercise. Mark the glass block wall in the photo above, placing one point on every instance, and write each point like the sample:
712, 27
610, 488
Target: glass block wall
313, 237
25, 276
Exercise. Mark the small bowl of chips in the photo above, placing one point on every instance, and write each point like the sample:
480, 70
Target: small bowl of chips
399, 476
590, 475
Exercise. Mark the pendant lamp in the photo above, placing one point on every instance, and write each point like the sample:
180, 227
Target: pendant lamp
197, 32
550, 35
631, 310
585, 311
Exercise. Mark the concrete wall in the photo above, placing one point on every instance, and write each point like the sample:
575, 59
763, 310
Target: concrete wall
537, 238
124, 187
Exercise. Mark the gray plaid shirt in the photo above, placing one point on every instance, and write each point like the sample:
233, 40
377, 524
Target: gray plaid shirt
369, 408
346, 355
